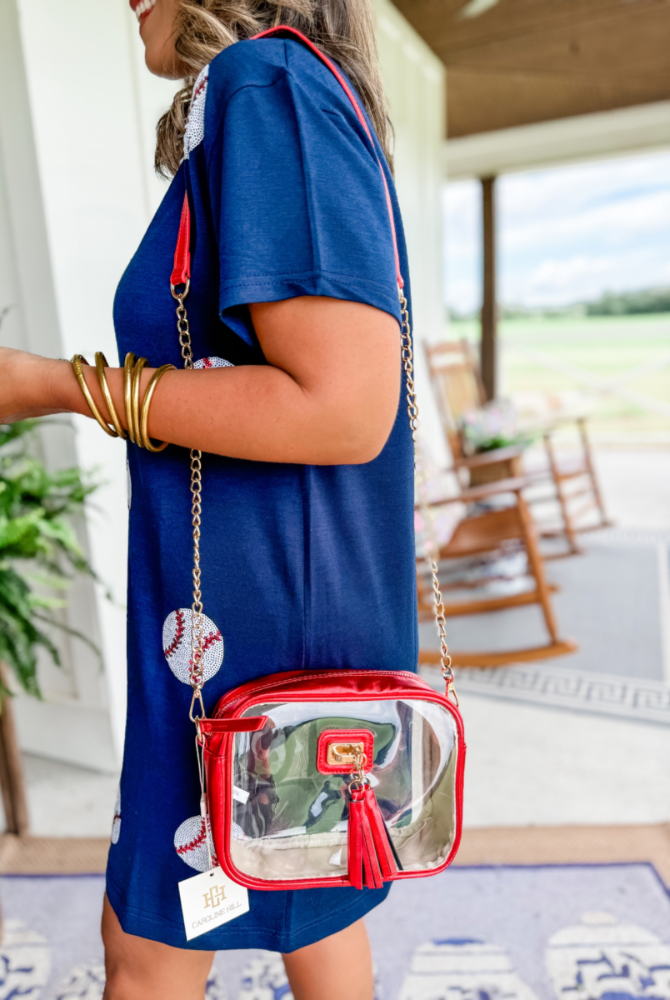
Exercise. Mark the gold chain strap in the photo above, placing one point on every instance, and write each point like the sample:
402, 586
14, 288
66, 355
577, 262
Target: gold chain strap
432, 546
196, 673
358, 776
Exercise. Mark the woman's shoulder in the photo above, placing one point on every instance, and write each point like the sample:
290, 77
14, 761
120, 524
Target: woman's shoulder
242, 65
247, 64
262, 63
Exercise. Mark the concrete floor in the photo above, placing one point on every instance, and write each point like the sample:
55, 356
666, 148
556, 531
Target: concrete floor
530, 765
526, 765
67, 801
636, 486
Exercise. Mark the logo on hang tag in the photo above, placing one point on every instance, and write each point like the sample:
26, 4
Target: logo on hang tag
209, 900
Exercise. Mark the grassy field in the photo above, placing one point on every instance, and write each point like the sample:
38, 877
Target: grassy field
584, 355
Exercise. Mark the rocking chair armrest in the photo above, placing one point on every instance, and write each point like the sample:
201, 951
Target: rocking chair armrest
513, 485
490, 457
474, 493
552, 424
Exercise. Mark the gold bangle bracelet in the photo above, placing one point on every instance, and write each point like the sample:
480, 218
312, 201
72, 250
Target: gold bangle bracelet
135, 399
100, 365
146, 403
128, 367
78, 361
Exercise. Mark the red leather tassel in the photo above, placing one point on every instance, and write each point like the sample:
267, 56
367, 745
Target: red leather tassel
355, 840
372, 873
380, 835
371, 859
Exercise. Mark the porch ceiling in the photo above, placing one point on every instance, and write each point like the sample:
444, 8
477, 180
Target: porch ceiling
514, 62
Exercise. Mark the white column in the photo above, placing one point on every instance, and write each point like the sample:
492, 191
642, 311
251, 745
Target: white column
415, 83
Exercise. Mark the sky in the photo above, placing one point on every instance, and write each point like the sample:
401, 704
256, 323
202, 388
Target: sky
565, 235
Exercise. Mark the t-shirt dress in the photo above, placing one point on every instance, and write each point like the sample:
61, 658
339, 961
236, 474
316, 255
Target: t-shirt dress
302, 566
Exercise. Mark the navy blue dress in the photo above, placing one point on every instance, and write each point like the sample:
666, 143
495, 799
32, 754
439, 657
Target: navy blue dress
303, 566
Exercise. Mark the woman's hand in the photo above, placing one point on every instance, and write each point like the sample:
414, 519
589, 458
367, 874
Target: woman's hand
25, 385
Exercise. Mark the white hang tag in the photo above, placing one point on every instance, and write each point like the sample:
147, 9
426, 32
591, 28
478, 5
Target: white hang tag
240, 795
209, 900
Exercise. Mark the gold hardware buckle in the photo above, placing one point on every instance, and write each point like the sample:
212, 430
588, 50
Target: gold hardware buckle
343, 753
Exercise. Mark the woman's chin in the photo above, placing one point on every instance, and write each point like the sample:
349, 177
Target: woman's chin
161, 64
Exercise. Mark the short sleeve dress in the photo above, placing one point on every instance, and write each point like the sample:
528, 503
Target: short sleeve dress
303, 566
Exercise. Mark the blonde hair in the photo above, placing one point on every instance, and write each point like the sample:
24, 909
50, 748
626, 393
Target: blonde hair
342, 29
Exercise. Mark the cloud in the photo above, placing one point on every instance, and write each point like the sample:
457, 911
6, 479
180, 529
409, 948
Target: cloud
582, 278
614, 222
560, 282
565, 234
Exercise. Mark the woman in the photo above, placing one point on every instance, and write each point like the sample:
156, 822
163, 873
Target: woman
307, 536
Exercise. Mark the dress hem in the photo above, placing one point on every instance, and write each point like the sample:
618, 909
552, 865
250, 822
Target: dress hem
142, 923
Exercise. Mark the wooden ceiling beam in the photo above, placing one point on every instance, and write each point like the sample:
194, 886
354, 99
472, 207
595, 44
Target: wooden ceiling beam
511, 19
526, 61
614, 45
483, 102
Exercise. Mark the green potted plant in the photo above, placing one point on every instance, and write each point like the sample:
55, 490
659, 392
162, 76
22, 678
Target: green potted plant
37, 546
38, 549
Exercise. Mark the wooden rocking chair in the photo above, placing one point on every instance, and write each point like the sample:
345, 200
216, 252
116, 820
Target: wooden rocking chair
459, 389
484, 533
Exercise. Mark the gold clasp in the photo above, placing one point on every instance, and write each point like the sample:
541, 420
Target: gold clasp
450, 681
358, 776
343, 753
197, 697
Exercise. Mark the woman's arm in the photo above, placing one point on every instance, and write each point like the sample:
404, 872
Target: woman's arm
328, 395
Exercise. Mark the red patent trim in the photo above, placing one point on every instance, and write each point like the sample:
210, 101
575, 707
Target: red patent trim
404, 683
254, 692
181, 271
359, 114
249, 725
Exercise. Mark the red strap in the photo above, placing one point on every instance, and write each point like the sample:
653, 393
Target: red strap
181, 271
182, 257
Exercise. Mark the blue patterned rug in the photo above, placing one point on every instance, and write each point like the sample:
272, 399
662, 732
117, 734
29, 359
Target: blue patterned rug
559, 932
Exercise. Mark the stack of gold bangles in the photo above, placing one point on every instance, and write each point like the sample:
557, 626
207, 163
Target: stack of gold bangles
137, 413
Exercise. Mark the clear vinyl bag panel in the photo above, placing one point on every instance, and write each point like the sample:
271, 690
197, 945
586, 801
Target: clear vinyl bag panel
290, 810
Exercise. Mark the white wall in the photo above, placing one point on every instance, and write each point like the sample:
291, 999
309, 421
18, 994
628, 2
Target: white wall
415, 85
77, 190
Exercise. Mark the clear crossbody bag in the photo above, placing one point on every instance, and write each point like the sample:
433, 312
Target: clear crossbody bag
325, 777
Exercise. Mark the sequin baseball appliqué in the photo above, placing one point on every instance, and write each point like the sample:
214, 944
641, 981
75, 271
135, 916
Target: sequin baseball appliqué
195, 124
